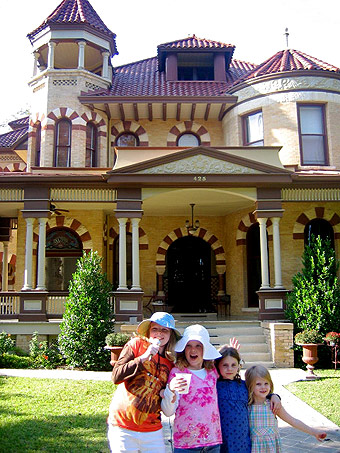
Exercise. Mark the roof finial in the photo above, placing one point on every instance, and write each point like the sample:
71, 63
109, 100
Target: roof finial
287, 34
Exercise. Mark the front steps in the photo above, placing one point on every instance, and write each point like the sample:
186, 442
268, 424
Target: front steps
254, 349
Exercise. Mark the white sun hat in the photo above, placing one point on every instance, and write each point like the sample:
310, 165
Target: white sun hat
198, 333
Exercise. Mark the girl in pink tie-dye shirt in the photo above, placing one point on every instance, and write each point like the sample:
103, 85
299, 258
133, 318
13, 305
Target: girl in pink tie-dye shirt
197, 419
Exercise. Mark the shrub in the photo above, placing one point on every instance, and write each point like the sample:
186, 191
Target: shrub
308, 337
14, 361
88, 316
117, 339
6, 342
44, 355
314, 302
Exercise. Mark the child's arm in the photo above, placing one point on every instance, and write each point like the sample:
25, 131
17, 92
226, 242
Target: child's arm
298, 424
275, 403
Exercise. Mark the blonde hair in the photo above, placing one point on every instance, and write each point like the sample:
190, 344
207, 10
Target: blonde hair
254, 372
181, 362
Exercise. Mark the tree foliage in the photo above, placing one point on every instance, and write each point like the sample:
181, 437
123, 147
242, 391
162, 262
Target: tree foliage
88, 316
314, 303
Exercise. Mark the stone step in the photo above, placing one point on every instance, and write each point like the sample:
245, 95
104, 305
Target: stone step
266, 364
243, 339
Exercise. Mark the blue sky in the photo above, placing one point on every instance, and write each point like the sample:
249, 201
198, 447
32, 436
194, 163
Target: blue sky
255, 28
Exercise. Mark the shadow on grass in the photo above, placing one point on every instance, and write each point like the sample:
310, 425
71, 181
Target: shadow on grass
69, 433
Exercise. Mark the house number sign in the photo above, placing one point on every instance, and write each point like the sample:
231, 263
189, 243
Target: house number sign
200, 178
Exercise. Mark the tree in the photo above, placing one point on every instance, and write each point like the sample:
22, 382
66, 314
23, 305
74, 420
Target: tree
88, 316
314, 303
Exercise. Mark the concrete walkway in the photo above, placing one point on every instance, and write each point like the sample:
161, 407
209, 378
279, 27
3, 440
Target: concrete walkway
293, 441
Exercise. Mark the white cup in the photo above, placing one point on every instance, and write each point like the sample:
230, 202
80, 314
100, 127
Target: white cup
187, 377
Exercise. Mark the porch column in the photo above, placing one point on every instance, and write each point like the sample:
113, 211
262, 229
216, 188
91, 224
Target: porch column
105, 69
5, 266
160, 281
135, 255
264, 253
41, 254
122, 253
50, 61
81, 54
277, 253
28, 254
36, 56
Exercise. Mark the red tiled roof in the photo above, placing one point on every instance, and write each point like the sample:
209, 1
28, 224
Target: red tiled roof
19, 123
193, 42
9, 139
75, 12
142, 78
288, 60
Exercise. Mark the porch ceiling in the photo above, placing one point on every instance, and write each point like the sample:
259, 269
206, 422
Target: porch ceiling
208, 201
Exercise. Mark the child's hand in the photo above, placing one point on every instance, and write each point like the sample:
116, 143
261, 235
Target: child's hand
320, 435
161, 393
233, 343
150, 352
275, 404
177, 384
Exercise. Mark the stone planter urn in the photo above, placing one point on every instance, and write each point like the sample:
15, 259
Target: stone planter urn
115, 352
310, 357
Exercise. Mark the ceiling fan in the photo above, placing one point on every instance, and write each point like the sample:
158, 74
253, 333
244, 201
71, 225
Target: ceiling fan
55, 210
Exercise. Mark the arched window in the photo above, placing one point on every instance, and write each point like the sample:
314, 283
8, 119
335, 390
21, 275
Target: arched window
62, 154
127, 139
319, 227
63, 248
37, 144
91, 145
188, 139
128, 261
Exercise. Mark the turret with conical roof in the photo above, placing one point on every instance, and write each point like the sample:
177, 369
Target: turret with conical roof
72, 51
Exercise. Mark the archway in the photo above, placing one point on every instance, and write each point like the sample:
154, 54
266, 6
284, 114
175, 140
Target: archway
188, 268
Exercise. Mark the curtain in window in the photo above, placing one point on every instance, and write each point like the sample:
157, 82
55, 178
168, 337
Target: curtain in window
255, 129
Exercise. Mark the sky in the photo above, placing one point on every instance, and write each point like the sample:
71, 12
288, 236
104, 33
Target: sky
256, 28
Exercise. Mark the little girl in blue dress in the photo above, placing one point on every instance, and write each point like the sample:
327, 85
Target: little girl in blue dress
233, 403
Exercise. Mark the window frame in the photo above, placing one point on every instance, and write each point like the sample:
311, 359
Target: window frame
127, 133
56, 142
245, 118
37, 144
324, 134
188, 133
92, 150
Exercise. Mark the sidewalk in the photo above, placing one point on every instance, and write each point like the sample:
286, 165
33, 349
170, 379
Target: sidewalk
293, 441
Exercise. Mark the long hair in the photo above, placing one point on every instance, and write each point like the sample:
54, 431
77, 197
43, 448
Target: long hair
169, 350
254, 372
227, 351
181, 362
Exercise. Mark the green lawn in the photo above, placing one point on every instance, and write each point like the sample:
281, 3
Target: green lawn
53, 415
322, 394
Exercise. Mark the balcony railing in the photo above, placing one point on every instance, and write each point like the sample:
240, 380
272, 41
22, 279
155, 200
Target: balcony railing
9, 305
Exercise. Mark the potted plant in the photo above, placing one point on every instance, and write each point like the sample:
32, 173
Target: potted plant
115, 343
332, 338
309, 340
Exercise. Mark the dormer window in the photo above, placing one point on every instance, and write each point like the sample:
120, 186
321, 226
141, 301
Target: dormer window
188, 140
195, 66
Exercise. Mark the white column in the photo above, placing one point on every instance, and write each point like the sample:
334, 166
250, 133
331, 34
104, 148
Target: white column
105, 69
81, 54
35, 67
41, 254
5, 266
135, 255
28, 254
122, 253
277, 252
50, 61
264, 253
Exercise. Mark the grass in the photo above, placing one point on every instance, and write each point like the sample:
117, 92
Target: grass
53, 415
322, 394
